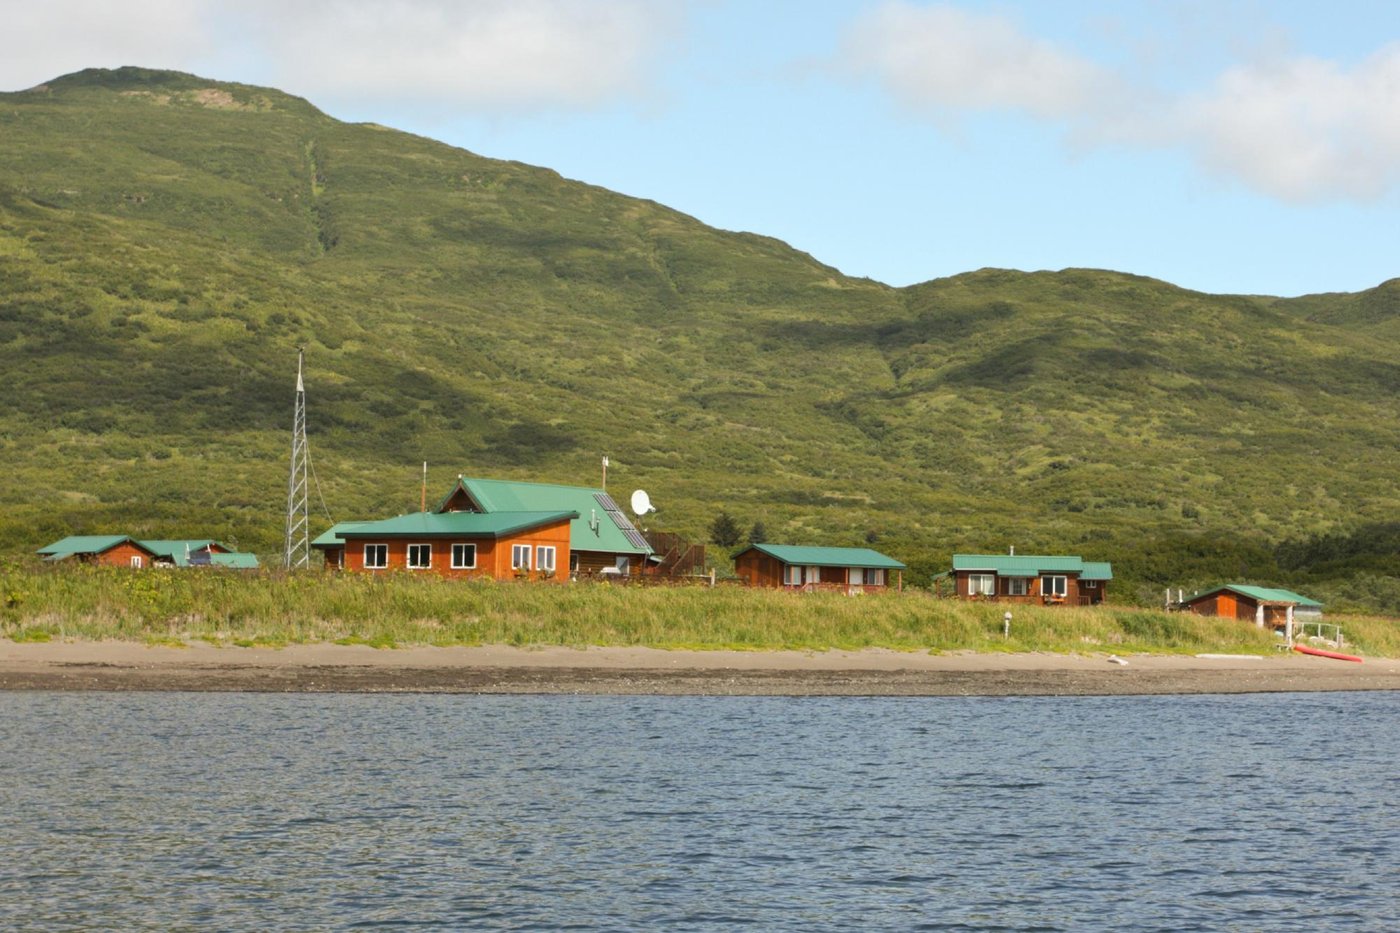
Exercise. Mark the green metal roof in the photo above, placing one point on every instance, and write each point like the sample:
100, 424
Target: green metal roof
826, 556
236, 560
331, 537
82, 544
1264, 594
595, 527
1096, 570
1033, 565
467, 524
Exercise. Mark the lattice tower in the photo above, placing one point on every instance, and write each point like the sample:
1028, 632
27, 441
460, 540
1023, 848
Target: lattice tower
296, 551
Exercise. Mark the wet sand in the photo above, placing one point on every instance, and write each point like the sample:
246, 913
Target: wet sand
121, 666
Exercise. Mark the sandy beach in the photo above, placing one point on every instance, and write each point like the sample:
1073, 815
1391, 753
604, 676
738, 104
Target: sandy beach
121, 666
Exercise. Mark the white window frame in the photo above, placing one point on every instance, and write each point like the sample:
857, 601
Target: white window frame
520, 556
1089, 584
792, 574
624, 565
1018, 586
981, 584
544, 558
378, 548
814, 575
411, 564
1055, 585
136, 560
457, 562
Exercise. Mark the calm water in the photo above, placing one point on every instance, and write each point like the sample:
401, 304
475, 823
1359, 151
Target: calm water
230, 811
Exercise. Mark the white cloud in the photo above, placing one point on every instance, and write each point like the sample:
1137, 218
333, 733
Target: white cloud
1302, 129
495, 55
486, 54
56, 37
941, 57
1293, 128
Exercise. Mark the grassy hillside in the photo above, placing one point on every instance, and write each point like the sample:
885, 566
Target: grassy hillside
166, 242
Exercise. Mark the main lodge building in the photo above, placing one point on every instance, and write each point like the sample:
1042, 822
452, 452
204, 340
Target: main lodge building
499, 529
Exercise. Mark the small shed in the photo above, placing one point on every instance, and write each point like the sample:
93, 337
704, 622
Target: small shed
1262, 605
847, 569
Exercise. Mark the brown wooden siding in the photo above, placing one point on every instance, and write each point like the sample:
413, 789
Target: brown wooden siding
119, 556
492, 555
1077, 593
758, 569
593, 563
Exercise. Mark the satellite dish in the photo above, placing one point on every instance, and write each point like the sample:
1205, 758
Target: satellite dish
641, 502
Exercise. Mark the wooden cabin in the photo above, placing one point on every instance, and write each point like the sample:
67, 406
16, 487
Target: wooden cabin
1264, 606
107, 550
1029, 578
603, 541
844, 569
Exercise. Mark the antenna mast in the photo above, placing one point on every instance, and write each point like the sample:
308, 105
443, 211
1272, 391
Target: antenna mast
296, 551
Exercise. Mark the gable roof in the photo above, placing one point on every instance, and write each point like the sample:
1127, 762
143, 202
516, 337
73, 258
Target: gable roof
86, 544
1261, 594
598, 524
467, 524
1033, 565
826, 556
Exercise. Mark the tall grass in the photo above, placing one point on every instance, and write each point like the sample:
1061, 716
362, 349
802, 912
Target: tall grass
275, 608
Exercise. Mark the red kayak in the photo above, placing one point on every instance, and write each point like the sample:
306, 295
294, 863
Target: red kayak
1304, 649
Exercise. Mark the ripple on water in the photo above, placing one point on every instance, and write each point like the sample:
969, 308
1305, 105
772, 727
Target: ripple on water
160, 811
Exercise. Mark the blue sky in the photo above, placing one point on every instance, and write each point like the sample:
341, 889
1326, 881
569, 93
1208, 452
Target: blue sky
1230, 147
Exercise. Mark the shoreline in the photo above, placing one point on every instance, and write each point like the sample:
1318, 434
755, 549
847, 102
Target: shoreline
330, 668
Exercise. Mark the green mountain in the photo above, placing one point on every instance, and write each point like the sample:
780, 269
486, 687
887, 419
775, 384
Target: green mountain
167, 242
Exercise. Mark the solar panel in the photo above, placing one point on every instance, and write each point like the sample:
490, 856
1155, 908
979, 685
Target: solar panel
629, 531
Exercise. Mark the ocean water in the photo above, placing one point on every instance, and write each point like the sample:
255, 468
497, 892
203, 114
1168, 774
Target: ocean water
308, 812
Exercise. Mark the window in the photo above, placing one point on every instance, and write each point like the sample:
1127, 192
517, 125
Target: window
136, 560
544, 558
624, 566
866, 576
463, 556
1017, 586
376, 556
420, 556
520, 557
1089, 584
982, 584
792, 575
1054, 586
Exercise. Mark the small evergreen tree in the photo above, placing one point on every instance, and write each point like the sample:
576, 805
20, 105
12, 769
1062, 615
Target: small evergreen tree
724, 531
758, 534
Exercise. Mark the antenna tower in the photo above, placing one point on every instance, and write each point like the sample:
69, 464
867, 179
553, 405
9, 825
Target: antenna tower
297, 550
